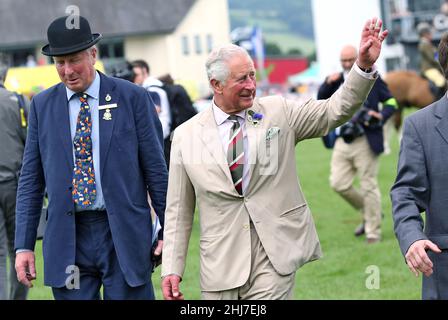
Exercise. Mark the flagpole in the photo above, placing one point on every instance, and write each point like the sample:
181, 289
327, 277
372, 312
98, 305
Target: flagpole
259, 55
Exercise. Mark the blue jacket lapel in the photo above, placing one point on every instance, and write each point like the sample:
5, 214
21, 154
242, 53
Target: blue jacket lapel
62, 119
107, 89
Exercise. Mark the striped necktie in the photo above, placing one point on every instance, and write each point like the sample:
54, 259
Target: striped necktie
235, 154
84, 188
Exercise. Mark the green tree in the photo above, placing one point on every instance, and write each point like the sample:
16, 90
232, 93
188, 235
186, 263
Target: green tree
272, 49
297, 15
295, 51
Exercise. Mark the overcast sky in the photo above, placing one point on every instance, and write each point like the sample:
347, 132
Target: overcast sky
337, 23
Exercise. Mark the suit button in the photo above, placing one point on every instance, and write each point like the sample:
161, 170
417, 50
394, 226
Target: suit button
69, 213
246, 226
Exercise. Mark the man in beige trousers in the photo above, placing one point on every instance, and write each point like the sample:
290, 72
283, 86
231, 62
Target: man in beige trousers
357, 148
236, 161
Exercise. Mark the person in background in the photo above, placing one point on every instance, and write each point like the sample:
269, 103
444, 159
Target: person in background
153, 85
421, 186
429, 65
181, 108
13, 111
357, 147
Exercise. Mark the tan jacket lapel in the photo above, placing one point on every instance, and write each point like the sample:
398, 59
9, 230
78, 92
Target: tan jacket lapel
212, 142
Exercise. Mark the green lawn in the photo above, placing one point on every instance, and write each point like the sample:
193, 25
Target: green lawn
341, 273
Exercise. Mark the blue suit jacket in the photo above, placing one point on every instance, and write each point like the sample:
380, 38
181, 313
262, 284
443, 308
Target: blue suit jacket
132, 164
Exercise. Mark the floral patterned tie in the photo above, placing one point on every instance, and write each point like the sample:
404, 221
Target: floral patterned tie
84, 189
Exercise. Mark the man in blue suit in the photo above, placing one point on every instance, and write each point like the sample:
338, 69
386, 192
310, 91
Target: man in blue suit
95, 143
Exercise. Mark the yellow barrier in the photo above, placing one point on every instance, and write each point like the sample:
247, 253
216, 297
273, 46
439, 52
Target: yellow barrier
30, 81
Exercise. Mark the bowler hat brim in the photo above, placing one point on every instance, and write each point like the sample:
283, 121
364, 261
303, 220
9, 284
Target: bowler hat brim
54, 52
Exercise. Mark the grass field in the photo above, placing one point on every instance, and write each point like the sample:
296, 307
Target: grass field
341, 273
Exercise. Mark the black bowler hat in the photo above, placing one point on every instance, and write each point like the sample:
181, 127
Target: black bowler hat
65, 37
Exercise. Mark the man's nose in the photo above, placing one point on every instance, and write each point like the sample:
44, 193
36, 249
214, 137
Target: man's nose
68, 69
250, 84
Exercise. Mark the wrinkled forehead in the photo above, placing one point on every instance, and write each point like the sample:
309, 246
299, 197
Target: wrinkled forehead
240, 64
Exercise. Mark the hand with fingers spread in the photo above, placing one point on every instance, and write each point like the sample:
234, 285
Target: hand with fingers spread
170, 287
370, 46
25, 268
417, 258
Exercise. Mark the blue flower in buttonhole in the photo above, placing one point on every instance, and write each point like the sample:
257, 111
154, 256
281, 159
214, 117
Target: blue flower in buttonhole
254, 117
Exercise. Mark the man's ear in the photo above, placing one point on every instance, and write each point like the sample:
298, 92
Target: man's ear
217, 86
94, 53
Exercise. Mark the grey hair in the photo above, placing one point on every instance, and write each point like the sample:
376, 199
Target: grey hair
216, 64
89, 50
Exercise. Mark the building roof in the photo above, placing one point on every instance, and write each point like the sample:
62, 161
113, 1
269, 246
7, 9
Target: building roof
25, 22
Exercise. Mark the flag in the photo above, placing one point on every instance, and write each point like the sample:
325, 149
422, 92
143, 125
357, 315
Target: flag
258, 50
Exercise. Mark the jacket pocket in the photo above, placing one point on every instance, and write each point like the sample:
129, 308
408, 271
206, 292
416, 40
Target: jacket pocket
296, 210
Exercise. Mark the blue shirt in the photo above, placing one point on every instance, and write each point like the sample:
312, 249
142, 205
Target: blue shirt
74, 105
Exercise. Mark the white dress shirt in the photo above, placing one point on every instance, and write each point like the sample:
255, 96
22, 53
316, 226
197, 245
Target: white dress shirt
224, 127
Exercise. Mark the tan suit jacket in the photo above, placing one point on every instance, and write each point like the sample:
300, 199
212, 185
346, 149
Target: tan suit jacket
273, 200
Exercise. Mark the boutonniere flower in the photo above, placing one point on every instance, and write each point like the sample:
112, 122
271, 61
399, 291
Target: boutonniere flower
254, 118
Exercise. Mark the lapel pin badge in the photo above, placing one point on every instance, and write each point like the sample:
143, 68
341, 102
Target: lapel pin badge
107, 115
108, 97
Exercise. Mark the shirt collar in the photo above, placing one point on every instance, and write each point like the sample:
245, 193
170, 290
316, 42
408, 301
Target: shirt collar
221, 116
93, 90
151, 81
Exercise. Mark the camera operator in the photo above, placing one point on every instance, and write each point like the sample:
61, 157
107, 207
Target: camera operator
359, 143
123, 71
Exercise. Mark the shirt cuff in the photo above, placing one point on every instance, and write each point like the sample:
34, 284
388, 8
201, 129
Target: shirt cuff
372, 75
23, 250
170, 274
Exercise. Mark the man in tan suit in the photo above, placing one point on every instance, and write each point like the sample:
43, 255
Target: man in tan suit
236, 161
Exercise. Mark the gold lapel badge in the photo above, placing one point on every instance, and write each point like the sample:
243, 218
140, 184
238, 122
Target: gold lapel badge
108, 98
107, 115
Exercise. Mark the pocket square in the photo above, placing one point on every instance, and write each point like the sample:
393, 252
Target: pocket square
272, 132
